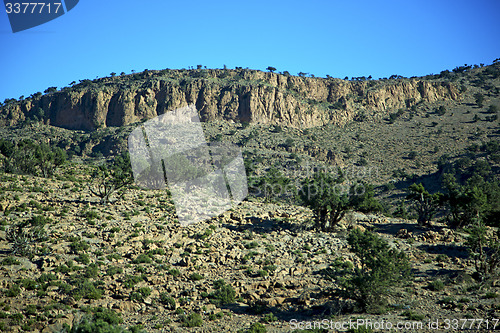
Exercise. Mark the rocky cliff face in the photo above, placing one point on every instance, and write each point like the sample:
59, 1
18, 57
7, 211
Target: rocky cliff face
238, 95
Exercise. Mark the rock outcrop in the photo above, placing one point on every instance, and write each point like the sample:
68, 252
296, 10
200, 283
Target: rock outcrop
238, 95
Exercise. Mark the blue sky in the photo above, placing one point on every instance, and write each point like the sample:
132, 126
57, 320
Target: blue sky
338, 38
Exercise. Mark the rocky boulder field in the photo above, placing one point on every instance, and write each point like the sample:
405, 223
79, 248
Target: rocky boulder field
131, 262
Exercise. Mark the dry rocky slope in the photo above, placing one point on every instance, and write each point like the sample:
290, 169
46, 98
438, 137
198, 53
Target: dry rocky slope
238, 95
126, 255
132, 257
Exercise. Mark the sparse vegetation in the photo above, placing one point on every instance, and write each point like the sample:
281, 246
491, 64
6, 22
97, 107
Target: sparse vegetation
64, 252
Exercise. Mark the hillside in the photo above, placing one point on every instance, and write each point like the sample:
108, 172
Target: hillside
69, 259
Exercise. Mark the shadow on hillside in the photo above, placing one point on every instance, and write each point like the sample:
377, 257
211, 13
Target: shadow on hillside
261, 226
431, 182
451, 250
451, 275
393, 228
293, 308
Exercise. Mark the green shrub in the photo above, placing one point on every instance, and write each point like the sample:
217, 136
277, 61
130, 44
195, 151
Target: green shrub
142, 259
366, 202
320, 193
425, 204
101, 321
78, 246
257, 328
13, 291
410, 315
129, 281
484, 249
112, 270
196, 277
83, 258
85, 288
140, 294
490, 295
382, 268
192, 320
441, 111
436, 285
23, 238
224, 293
168, 301
479, 99
10, 261
174, 272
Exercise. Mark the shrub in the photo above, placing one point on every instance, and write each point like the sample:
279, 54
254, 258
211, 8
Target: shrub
112, 177
23, 238
425, 204
10, 261
28, 157
112, 270
174, 272
193, 320
273, 185
140, 294
224, 293
484, 249
478, 197
142, 259
196, 277
86, 289
13, 291
441, 111
479, 99
329, 205
493, 108
382, 268
257, 328
83, 258
168, 301
436, 285
102, 321
78, 246
366, 202
412, 155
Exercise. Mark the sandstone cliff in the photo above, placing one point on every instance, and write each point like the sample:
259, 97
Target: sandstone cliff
238, 95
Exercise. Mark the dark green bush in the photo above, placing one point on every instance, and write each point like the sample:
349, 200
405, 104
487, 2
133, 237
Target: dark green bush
140, 294
142, 259
196, 277
192, 320
484, 249
13, 291
101, 321
111, 177
28, 157
426, 205
224, 293
257, 328
168, 301
324, 194
10, 261
382, 268
436, 285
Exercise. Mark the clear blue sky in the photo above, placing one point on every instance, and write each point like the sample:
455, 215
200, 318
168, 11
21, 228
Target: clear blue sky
339, 38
